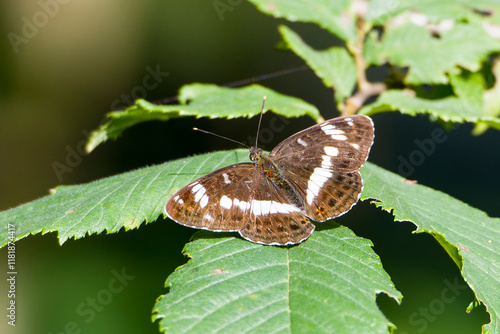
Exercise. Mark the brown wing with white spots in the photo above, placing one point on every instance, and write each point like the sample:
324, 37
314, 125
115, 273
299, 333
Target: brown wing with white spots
322, 164
218, 201
341, 144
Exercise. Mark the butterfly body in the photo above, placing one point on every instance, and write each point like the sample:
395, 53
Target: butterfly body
273, 172
310, 175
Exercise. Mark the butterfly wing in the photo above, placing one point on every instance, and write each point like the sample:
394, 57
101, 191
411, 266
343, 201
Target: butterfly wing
210, 202
322, 162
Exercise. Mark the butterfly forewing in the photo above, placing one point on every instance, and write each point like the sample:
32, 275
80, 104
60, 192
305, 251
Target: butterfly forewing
341, 144
209, 202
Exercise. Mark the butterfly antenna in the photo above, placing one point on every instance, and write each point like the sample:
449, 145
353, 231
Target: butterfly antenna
260, 120
216, 135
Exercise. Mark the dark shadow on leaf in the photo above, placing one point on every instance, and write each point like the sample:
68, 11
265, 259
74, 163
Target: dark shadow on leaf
328, 225
213, 235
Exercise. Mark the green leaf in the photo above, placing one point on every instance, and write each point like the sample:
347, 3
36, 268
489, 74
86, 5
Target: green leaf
469, 87
203, 100
449, 109
325, 13
380, 11
429, 58
335, 66
491, 100
470, 237
327, 284
121, 201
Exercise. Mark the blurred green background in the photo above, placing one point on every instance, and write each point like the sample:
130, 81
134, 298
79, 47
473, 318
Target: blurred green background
88, 56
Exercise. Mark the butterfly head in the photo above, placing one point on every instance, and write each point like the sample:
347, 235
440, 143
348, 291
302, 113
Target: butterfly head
256, 154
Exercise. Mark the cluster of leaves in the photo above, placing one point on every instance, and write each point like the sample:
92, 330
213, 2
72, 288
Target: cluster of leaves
231, 284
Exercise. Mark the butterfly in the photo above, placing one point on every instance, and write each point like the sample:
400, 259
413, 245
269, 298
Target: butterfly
311, 175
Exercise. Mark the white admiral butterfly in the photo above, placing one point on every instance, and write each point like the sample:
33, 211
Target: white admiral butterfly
312, 174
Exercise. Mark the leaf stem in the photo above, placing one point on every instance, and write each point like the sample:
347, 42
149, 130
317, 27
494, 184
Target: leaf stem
366, 89
357, 50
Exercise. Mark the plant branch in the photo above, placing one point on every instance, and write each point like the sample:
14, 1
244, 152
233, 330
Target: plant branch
366, 89
355, 102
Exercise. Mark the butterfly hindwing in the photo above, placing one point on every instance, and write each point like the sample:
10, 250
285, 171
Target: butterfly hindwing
289, 229
327, 194
274, 220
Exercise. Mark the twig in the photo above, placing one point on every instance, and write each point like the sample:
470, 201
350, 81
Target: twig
366, 89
